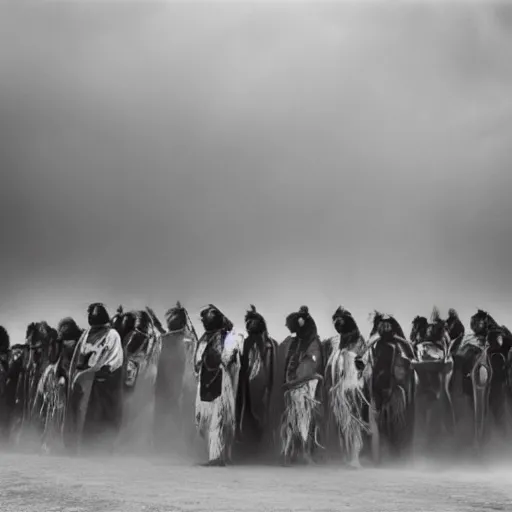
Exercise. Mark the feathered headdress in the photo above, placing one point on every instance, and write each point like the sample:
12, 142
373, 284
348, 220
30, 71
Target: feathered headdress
156, 321
435, 316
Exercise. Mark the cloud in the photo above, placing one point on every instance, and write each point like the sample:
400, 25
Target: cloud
275, 154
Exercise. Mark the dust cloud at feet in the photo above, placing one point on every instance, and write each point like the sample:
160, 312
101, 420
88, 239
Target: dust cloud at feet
172, 483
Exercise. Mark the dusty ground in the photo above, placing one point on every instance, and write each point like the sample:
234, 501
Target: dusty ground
122, 484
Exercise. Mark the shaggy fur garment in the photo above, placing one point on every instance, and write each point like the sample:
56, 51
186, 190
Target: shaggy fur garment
216, 420
50, 408
346, 399
297, 425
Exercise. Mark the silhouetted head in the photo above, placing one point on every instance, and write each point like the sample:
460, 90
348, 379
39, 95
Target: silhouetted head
38, 340
254, 322
452, 314
386, 325
481, 323
301, 322
97, 315
436, 328
176, 317
343, 321
125, 323
68, 330
4, 340
117, 319
18, 354
419, 329
141, 328
213, 319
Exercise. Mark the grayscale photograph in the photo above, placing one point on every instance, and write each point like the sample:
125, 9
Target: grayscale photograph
255, 255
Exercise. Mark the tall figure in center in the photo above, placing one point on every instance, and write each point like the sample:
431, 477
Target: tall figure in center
303, 399
217, 364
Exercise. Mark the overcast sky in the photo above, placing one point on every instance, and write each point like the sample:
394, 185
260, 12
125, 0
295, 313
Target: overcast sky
274, 154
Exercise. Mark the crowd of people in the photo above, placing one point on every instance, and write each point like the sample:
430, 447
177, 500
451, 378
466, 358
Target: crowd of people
129, 376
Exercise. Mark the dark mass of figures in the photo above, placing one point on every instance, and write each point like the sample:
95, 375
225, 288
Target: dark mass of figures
128, 378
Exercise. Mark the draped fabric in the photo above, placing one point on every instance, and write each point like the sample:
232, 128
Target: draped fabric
304, 359
175, 390
393, 388
139, 393
259, 379
218, 364
302, 396
99, 348
96, 386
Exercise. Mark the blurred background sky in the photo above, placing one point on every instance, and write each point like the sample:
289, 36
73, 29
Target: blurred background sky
280, 154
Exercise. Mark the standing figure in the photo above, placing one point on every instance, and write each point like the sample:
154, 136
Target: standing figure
94, 409
480, 374
346, 385
259, 382
142, 346
217, 363
303, 375
176, 383
49, 404
434, 368
38, 339
393, 386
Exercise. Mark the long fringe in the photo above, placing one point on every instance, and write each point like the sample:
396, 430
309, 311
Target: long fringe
215, 421
346, 399
393, 412
52, 410
297, 420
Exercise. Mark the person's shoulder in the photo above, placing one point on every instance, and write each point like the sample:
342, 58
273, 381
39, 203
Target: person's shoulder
113, 334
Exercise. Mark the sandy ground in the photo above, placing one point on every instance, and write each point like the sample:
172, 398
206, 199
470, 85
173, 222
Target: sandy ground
123, 484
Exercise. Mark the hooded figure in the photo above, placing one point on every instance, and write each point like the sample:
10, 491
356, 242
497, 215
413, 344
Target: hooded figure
259, 382
176, 382
96, 381
302, 395
217, 364
346, 386
392, 386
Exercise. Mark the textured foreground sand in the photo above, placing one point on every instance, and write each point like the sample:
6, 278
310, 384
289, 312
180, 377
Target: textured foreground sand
44, 483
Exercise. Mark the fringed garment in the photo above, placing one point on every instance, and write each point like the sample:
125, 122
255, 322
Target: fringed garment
346, 396
31, 377
302, 413
50, 408
218, 361
299, 430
